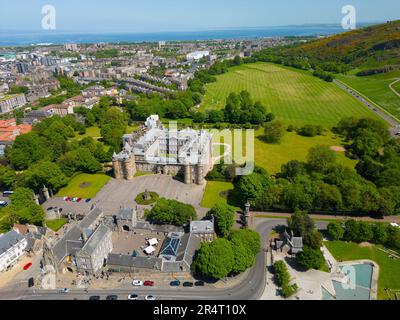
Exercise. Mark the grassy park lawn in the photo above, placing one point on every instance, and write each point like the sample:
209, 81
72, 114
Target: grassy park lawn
396, 87
216, 193
377, 89
294, 96
389, 268
56, 224
84, 186
93, 132
292, 147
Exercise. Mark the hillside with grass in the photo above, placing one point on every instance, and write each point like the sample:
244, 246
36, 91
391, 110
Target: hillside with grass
292, 95
371, 47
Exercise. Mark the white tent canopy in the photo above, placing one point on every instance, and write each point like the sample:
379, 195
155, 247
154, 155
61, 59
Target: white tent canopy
149, 250
152, 242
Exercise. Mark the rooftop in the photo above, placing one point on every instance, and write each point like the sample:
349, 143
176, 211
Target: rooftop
9, 240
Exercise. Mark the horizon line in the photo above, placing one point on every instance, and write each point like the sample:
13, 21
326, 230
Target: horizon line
37, 31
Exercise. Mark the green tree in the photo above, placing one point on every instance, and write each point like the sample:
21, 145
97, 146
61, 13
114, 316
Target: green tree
7, 177
300, 223
358, 231
215, 259
44, 173
274, 131
250, 238
321, 158
251, 187
224, 218
243, 258
24, 208
335, 230
327, 197
379, 231
310, 258
167, 211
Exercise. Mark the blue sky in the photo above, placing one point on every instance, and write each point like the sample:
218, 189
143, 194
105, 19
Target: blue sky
186, 15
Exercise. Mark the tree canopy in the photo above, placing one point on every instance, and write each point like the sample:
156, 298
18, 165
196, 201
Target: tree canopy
224, 216
167, 211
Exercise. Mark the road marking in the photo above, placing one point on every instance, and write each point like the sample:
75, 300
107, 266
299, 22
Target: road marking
338, 82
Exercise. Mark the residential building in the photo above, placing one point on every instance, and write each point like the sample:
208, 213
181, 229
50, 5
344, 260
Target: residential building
9, 130
82, 248
58, 109
289, 243
12, 246
9, 103
92, 257
71, 47
197, 55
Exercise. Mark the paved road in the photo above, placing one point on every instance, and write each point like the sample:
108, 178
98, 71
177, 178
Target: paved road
250, 288
282, 215
395, 128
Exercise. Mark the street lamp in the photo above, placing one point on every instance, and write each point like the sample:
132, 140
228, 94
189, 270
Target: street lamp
247, 213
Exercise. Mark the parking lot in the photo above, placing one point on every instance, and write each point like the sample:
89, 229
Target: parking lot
122, 193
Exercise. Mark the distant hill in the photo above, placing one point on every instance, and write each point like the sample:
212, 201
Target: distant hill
374, 47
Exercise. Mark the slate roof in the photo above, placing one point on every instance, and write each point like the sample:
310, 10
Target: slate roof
68, 244
95, 239
125, 214
8, 240
90, 218
158, 228
204, 227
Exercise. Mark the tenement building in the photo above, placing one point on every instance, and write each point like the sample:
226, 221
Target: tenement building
187, 153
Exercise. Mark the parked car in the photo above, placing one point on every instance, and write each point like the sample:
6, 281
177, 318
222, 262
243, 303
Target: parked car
148, 283
188, 284
133, 297
137, 283
79, 200
150, 297
176, 283
3, 203
88, 200
112, 297
7, 193
94, 298
64, 290
27, 266
199, 283
74, 199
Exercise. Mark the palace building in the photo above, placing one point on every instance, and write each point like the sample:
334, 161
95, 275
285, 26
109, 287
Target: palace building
187, 153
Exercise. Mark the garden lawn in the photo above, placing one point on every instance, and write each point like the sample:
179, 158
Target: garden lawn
93, 132
376, 88
292, 147
389, 268
84, 186
212, 195
56, 224
292, 95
